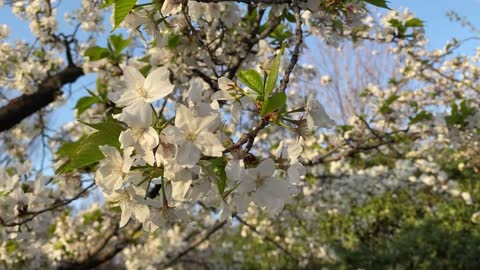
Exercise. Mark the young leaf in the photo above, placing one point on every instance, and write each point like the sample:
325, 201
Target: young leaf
385, 109
414, 22
85, 102
68, 149
275, 102
119, 43
145, 70
85, 151
378, 3
252, 79
121, 10
107, 3
281, 33
173, 41
218, 167
421, 116
273, 74
96, 53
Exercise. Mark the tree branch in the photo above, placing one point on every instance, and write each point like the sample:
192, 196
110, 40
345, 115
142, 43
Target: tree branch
33, 214
102, 255
48, 90
266, 238
249, 43
266, 2
195, 244
296, 50
106, 251
249, 136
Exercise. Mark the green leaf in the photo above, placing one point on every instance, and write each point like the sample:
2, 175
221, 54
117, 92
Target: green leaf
68, 149
108, 127
11, 245
414, 22
252, 79
39, 53
273, 74
51, 230
85, 102
385, 109
281, 33
276, 102
395, 23
85, 151
218, 167
378, 3
145, 70
89, 218
230, 190
96, 53
118, 43
173, 41
345, 128
121, 10
455, 117
459, 115
423, 115
107, 3
290, 17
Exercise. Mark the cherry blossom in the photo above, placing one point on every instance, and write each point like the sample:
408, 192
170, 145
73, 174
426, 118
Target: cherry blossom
194, 136
140, 92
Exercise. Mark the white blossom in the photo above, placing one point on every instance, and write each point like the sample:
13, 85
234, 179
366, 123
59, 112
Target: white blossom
140, 93
113, 169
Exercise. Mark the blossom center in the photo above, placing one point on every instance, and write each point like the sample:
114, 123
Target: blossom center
118, 170
191, 136
259, 182
122, 197
141, 92
137, 133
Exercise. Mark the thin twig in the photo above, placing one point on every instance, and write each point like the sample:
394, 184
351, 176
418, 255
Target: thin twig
296, 50
249, 136
53, 207
195, 244
268, 239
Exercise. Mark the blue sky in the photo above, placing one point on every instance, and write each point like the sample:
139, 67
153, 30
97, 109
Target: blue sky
438, 30
438, 27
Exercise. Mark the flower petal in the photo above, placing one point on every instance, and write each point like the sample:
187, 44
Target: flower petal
209, 144
180, 189
141, 212
225, 83
182, 117
133, 78
126, 214
157, 84
137, 115
233, 169
188, 154
171, 7
266, 168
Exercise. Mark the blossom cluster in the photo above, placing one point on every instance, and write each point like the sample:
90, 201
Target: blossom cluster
203, 115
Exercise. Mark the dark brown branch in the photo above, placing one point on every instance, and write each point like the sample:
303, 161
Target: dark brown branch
103, 255
360, 147
266, 2
249, 136
48, 90
249, 43
266, 238
105, 250
31, 215
195, 244
296, 50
